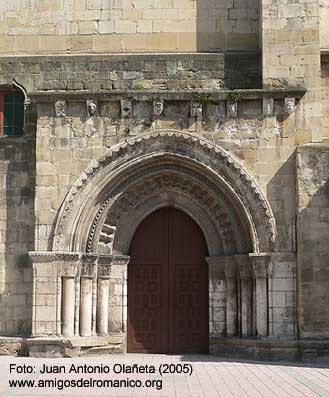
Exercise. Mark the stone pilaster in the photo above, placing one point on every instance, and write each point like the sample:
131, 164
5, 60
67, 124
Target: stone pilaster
260, 264
118, 294
222, 269
217, 305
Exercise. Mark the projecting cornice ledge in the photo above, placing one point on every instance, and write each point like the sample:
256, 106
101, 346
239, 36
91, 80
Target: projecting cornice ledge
202, 96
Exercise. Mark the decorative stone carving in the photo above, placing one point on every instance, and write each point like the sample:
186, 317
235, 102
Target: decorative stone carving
260, 263
212, 156
69, 269
126, 108
91, 108
268, 106
232, 109
208, 196
60, 108
196, 110
289, 105
158, 107
104, 271
244, 266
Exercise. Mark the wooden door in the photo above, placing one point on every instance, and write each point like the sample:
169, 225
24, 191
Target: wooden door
168, 286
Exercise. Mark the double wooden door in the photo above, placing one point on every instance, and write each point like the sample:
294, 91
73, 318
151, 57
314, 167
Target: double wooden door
168, 286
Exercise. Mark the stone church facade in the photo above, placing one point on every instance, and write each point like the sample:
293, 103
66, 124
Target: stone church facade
197, 128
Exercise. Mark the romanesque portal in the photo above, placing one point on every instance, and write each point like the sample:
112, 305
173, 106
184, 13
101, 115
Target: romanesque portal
106, 246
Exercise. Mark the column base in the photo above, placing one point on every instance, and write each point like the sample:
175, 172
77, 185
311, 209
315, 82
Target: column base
75, 346
270, 349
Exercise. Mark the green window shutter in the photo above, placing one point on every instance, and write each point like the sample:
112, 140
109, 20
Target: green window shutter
13, 114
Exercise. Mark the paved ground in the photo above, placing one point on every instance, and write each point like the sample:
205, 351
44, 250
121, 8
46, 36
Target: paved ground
211, 376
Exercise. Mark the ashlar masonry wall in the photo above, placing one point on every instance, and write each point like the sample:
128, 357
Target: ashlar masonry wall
291, 57
105, 26
324, 24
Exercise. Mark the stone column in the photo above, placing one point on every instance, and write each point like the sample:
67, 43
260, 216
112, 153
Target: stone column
104, 273
231, 296
246, 288
77, 306
88, 272
59, 306
68, 306
85, 306
260, 264
68, 271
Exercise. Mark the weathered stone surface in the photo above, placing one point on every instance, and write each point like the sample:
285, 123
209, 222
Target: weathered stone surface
109, 138
151, 26
138, 72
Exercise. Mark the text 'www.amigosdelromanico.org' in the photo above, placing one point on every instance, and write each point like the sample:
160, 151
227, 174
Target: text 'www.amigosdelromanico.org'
74, 376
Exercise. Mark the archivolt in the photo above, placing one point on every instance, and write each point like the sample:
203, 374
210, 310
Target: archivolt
115, 175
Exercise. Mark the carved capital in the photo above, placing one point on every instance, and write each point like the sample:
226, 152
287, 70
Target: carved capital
221, 267
88, 265
104, 271
244, 266
121, 260
260, 264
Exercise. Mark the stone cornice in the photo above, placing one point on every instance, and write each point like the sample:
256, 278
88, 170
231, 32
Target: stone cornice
178, 95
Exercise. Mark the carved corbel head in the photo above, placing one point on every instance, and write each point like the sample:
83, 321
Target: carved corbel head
91, 108
126, 108
158, 107
60, 108
196, 109
289, 105
232, 109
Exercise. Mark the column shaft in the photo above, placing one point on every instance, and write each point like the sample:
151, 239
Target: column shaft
85, 306
261, 307
103, 306
231, 306
68, 306
246, 306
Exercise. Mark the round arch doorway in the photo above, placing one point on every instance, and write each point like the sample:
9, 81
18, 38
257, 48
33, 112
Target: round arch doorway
168, 286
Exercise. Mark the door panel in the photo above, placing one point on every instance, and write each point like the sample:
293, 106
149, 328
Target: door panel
168, 286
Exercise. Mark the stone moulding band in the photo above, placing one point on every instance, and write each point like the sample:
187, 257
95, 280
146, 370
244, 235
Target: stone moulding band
47, 257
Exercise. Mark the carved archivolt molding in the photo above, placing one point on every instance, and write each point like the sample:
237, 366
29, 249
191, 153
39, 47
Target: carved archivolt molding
102, 234
208, 197
212, 158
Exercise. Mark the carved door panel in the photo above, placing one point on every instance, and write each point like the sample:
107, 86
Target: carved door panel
168, 286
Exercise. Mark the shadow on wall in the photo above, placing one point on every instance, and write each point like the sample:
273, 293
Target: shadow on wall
227, 25
281, 193
313, 241
302, 216
16, 293
234, 29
